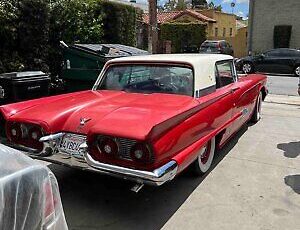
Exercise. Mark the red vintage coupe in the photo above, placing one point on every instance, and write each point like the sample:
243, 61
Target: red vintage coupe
146, 119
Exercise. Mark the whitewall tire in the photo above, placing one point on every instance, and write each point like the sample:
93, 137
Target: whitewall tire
205, 158
257, 110
297, 71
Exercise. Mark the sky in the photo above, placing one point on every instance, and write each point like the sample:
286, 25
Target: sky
241, 8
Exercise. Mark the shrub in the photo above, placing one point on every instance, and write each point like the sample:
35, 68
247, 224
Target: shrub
90, 21
73, 21
31, 29
119, 22
183, 35
8, 36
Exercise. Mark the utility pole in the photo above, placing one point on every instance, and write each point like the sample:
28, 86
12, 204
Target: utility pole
152, 31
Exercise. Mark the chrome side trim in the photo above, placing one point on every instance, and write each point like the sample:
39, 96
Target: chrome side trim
157, 177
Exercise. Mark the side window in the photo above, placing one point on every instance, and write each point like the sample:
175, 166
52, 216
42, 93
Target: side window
273, 53
224, 73
293, 53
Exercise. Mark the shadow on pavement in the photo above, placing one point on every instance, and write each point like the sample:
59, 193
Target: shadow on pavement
93, 201
291, 150
294, 182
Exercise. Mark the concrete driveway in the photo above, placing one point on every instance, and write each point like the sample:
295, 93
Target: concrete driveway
254, 184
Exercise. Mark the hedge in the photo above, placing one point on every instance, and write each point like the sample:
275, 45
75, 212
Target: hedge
9, 58
31, 29
72, 21
119, 23
183, 35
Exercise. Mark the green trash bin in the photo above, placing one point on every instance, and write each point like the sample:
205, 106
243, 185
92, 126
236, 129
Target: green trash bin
84, 62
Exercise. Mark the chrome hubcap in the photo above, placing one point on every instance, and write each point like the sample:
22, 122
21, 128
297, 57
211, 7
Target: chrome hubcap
297, 71
247, 68
205, 153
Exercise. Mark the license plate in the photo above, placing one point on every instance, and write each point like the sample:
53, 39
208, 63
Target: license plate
70, 145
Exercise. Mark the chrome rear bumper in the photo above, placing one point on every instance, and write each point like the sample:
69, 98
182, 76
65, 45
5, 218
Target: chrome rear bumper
156, 177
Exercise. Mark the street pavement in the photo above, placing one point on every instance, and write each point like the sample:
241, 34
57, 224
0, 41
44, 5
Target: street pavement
254, 184
283, 85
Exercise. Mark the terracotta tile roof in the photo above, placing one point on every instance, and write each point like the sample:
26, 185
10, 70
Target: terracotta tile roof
195, 14
163, 17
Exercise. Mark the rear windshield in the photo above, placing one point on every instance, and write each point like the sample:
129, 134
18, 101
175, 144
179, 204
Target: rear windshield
210, 46
140, 78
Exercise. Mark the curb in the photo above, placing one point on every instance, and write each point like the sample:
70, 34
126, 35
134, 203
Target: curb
283, 99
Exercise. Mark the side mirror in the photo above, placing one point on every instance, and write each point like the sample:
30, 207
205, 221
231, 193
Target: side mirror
262, 56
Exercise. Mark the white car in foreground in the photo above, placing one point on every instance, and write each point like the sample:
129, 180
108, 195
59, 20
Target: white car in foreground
29, 194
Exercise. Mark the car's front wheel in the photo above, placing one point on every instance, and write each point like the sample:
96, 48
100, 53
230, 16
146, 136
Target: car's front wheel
205, 158
257, 110
247, 67
297, 71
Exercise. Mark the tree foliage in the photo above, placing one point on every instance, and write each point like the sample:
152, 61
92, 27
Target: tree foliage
211, 5
183, 35
31, 29
170, 5
197, 3
9, 58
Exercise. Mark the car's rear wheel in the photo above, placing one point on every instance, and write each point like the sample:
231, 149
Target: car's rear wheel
205, 158
297, 71
247, 67
257, 111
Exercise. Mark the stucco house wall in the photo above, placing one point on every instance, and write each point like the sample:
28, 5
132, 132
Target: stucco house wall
264, 15
224, 21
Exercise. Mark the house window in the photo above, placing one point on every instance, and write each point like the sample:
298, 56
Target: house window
216, 32
224, 32
230, 32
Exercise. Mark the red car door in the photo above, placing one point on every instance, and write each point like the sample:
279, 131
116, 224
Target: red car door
245, 96
226, 80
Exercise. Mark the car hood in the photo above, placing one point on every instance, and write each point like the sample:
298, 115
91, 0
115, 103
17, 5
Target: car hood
116, 113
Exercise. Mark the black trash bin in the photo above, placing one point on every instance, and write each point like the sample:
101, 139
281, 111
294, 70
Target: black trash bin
20, 86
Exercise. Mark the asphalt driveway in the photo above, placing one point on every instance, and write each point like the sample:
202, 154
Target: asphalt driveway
254, 184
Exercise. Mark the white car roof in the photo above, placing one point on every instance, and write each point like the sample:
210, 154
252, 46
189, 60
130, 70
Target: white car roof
203, 64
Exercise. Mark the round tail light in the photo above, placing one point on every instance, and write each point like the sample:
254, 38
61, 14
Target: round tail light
108, 146
15, 132
35, 133
141, 153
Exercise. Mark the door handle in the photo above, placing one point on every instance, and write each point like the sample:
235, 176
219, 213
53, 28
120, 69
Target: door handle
234, 89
